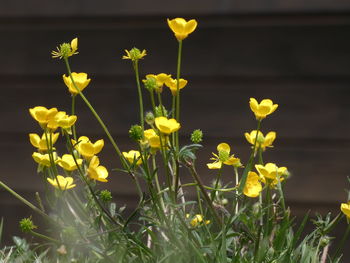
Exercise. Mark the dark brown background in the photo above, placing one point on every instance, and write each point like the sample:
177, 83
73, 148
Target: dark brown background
294, 52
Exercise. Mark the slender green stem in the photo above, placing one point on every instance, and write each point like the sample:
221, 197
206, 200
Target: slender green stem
205, 194
178, 73
237, 182
26, 202
73, 113
161, 103
157, 182
136, 69
44, 237
213, 193
104, 127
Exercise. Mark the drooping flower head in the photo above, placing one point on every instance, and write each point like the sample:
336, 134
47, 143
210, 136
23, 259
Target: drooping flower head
262, 109
86, 148
96, 171
41, 143
252, 187
181, 27
80, 79
224, 157
261, 140
167, 126
172, 85
63, 183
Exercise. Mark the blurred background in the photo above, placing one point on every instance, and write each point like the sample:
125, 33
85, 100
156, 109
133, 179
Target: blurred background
294, 52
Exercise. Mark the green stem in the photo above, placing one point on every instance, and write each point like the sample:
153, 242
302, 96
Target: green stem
104, 127
44, 237
178, 72
73, 113
26, 202
205, 194
160, 103
136, 69
157, 182
237, 182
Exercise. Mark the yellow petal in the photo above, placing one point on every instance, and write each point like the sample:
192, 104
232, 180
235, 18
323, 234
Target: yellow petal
190, 26
224, 147
34, 139
98, 145
214, 165
253, 105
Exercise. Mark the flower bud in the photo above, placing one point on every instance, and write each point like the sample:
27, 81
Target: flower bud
160, 111
197, 136
27, 225
105, 195
136, 132
149, 118
150, 83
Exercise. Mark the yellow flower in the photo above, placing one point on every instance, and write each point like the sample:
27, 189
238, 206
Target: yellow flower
66, 50
224, 157
262, 109
166, 126
181, 27
96, 171
161, 79
134, 54
345, 208
67, 162
80, 79
152, 138
133, 155
271, 173
86, 148
63, 183
42, 114
172, 85
44, 159
61, 119
262, 141
41, 143
252, 186
197, 220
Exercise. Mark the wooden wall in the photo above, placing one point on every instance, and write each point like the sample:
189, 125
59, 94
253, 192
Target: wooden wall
294, 52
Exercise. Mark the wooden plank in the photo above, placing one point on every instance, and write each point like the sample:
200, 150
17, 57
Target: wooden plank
219, 106
295, 50
180, 7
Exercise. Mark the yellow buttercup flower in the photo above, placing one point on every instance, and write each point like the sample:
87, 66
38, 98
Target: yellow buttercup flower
197, 220
63, 183
133, 155
134, 54
42, 114
61, 119
44, 159
41, 143
80, 79
152, 138
252, 186
167, 126
181, 27
224, 157
66, 50
96, 171
345, 208
271, 174
262, 109
67, 162
172, 85
86, 148
261, 141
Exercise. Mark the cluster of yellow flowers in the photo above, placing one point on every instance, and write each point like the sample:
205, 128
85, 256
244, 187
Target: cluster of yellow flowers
52, 119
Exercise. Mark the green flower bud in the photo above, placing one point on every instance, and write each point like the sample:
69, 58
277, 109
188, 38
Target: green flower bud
149, 118
134, 54
160, 111
105, 195
197, 136
27, 225
65, 50
150, 83
136, 132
